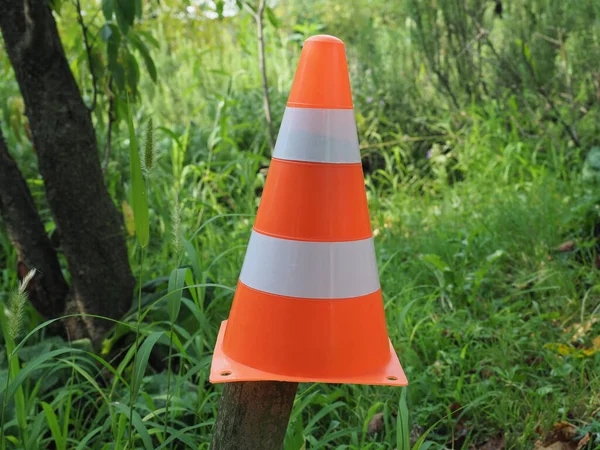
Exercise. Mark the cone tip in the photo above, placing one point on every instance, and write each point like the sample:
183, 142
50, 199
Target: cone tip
325, 39
321, 79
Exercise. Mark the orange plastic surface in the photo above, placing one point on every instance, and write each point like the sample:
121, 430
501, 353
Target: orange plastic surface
314, 202
321, 79
329, 340
270, 337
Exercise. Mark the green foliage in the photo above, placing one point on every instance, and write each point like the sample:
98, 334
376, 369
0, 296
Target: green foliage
138, 187
479, 141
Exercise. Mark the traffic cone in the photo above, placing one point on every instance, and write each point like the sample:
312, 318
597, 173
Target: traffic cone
308, 304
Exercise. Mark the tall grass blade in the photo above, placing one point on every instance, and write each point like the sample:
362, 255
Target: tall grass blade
402, 426
138, 187
176, 282
59, 440
142, 360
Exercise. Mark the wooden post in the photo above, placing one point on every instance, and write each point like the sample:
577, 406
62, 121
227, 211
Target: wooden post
253, 415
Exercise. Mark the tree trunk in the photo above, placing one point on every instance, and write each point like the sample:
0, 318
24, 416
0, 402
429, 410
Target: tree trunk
90, 226
26, 231
254, 415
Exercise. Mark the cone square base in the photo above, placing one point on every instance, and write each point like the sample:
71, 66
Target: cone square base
226, 370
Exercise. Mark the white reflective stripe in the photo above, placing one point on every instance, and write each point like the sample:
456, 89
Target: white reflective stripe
324, 270
318, 135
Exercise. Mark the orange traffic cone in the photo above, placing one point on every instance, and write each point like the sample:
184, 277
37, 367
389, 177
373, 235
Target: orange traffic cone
308, 304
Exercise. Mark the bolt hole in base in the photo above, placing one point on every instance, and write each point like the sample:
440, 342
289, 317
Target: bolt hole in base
225, 373
392, 378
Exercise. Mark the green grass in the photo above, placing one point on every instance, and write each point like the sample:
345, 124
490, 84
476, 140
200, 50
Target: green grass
474, 293
481, 306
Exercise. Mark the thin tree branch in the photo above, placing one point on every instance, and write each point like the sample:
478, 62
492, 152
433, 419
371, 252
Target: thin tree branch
263, 71
88, 50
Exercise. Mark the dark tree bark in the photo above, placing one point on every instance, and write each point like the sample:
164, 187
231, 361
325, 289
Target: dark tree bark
91, 230
253, 415
26, 231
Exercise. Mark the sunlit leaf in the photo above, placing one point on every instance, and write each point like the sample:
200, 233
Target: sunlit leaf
149, 38
56, 6
436, 261
138, 187
219, 5
272, 17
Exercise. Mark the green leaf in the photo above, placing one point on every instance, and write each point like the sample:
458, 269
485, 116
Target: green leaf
105, 32
36, 430
149, 38
56, 6
191, 251
125, 12
118, 73
189, 279
272, 17
402, 428
436, 261
83, 443
113, 42
148, 62
138, 8
142, 360
138, 187
108, 7
219, 5
138, 424
59, 440
36, 364
176, 281
132, 71
593, 158
294, 439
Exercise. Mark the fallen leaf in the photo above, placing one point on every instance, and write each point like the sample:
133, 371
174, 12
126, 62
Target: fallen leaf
561, 437
376, 424
494, 443
596, 343
563, 431
583, 442
455, 408
580, 329
555, 446
566, 246
415, 433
